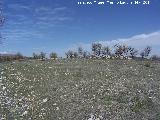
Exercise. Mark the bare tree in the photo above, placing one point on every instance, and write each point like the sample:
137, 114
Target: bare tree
106, 51
121, 50
36, 56
96, 49
142, 54
146, 52
125, 49
99, 49
133, 52
86, 54
75, 54
42, 55
118, 50
70, 54
80, 52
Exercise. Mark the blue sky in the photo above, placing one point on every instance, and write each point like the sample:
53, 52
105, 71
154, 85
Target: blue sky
54, 25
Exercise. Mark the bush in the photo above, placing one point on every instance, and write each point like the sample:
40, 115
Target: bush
53, 55
147, 64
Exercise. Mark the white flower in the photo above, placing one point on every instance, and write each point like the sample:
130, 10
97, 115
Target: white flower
92, 117
3, 88
97, 119
55, 104
25, 113
45, 100
57, 108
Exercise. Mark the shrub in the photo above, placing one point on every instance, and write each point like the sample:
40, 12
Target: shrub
53, 55
147, 64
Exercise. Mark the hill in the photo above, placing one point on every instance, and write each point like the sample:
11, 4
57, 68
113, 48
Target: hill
80, 90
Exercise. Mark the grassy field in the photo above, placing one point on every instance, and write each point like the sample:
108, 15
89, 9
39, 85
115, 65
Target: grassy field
80, 90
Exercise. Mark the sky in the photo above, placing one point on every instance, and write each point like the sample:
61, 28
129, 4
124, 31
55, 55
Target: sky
59, 25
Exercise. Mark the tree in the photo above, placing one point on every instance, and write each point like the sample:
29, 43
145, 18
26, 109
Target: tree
80, 51
125, 50
18, 56
53, 55
106, 51
86, 54
118, 50
36, 56
70, 54
133, 52
121, 50
146, 52
75, 54
99, 49
96, 49
142, 54
42, 55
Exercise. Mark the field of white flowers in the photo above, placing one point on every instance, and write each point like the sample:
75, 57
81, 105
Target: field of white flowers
80, 90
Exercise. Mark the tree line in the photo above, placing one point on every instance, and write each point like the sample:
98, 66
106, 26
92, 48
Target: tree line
118, 51
20, 57
98, 50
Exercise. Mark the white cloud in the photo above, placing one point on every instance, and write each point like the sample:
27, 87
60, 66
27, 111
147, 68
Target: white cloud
60, 9
48, 17
50, 11
152, 39
19, 6
44, 18
8, 51
137, 41
4, 52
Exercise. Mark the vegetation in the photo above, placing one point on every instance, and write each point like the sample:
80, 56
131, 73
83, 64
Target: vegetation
80, 89
42, 55
98, 51
53, 55
146, 52
101, 51
133, 52
36, 56
11, 57
147, 64
121, 50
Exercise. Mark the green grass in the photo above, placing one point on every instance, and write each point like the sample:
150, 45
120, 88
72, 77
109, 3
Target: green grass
75, 89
